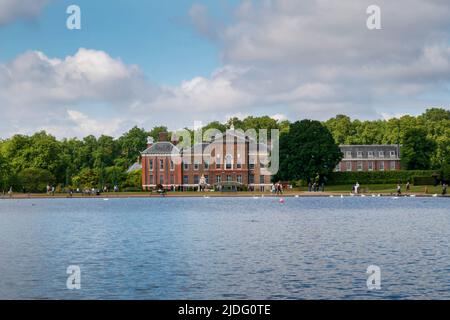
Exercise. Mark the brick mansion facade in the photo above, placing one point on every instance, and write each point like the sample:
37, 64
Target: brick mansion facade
219, 164
369, 158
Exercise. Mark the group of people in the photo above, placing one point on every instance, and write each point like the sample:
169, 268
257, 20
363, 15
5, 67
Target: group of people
316, 187
277, 188
51, 190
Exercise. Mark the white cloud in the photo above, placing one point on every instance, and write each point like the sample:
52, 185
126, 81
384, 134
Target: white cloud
316, 57
287, 58
11, 10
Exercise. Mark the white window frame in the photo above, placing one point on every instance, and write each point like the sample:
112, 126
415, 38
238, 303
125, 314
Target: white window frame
360, 166
392, 165
227, 157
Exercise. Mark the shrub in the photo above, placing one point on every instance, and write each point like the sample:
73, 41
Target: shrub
424, 181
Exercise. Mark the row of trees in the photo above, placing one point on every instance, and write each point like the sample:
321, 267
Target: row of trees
33, 162
425, 138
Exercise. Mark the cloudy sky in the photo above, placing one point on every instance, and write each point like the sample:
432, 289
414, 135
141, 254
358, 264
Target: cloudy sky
137, 62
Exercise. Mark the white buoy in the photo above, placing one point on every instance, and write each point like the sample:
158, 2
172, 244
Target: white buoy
363, 195
342, 196
105, 199
373, 196
435, 195
331, 196
296, 196
413, 196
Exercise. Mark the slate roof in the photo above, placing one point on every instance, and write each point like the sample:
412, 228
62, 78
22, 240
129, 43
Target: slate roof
374, 149
163, 147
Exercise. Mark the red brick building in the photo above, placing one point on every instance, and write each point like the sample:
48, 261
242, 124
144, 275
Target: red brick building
369, 158
228, 161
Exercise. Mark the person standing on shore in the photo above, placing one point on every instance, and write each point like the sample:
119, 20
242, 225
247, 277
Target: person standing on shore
444, 189
10, 192
408, 186
399, 189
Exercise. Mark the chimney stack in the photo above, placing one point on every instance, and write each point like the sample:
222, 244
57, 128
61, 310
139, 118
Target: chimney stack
163, 136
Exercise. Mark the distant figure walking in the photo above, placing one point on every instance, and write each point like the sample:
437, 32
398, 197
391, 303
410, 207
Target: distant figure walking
356, 188
399, 189
408, 186
444, 189
10, 192
279, 188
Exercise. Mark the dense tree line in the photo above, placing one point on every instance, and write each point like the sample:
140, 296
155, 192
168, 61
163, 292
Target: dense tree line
33, 162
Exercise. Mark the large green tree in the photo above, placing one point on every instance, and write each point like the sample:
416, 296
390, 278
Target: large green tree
308, 150
35, 179
131, 144
417, 150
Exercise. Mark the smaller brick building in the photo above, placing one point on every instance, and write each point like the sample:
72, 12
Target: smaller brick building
369, 158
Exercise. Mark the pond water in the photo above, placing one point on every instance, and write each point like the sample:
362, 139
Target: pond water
225, 248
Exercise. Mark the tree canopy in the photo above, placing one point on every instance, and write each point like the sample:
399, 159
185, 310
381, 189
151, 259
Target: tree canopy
307, 151
99, 161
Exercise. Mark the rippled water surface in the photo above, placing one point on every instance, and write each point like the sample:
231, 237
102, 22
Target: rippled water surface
224, 248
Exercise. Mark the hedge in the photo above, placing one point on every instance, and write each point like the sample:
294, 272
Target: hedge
424, 181
378, 177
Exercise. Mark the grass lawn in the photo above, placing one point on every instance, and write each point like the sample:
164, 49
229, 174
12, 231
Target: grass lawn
329, 190
386, 188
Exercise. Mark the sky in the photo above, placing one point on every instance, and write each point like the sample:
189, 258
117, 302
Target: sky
173, 62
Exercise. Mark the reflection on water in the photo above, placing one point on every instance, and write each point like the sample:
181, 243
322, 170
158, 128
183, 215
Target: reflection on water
225, 248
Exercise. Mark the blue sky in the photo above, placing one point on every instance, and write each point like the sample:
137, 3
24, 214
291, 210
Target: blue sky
174, 62
156, 35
